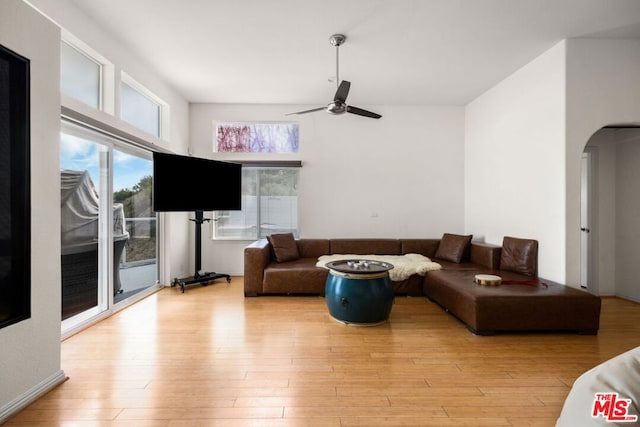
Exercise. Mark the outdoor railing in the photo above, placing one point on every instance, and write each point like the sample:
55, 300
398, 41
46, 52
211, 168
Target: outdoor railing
141, 246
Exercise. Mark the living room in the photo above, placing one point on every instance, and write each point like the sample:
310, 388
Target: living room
421, 170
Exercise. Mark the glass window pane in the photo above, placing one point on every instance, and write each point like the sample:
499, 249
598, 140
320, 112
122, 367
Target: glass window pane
241, 224
139, 110
79, 76
81, 216
278, 201
257, 138
134, 225
269, 205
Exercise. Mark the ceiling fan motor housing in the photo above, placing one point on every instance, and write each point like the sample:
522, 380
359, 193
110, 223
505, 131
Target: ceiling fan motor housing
337, 107
337, 39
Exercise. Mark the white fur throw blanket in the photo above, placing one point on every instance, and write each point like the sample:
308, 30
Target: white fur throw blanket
403, 265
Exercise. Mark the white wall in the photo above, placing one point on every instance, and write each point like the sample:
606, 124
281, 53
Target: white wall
543, 115
603, 88
399, 176
30, 350
627, 219
514, 160
176, 234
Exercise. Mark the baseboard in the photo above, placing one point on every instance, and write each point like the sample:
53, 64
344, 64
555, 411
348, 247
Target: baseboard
623, 297
21, 402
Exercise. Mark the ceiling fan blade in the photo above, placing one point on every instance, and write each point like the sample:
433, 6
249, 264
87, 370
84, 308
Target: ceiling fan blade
361, 112
307, 111
342, 92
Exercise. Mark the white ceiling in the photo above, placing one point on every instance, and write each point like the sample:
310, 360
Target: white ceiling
398, 52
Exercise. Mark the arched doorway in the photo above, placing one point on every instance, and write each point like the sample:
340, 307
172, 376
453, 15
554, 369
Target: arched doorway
610, 212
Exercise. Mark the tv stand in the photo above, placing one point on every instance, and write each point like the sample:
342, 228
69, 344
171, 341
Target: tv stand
203, 279
199, 276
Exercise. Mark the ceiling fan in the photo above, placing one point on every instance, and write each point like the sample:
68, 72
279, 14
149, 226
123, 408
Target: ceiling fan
339, 103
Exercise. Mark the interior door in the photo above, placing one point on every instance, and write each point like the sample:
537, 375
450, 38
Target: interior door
585, 220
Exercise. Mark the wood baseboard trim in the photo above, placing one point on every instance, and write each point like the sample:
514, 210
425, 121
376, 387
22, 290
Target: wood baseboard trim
31, 395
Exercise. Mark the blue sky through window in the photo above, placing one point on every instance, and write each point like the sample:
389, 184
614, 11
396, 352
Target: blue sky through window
81, 154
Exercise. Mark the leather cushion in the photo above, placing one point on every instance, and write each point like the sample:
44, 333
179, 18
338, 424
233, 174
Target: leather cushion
366, 246
284, 247
313, 248
426, 247
519, 256
454, 247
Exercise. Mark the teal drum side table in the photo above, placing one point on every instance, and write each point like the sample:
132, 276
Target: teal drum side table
359, 292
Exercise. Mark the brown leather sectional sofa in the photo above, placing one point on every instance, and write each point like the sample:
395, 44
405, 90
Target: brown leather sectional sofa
523, 302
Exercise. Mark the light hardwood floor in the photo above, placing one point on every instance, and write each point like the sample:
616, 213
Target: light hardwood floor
210, 357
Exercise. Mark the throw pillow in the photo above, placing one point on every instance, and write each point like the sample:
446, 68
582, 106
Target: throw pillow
519, 256
454, 247
284, 247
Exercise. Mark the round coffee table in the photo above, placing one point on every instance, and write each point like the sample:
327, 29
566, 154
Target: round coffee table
359, 292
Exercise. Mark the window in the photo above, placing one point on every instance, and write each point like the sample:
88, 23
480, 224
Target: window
140, 107
256, 138
80, 76
269, 205
85, 75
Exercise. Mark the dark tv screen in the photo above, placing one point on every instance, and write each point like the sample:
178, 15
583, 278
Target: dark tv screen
183, 183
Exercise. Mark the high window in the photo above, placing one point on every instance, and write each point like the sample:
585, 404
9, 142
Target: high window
85, 76
80, 76
140, 107
256, 138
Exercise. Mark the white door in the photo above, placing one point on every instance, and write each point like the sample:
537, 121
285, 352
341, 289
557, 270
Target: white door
585, 220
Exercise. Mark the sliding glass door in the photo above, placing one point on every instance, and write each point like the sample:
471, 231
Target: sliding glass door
108, 234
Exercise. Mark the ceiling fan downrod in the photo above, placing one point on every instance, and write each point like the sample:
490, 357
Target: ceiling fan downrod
337, 40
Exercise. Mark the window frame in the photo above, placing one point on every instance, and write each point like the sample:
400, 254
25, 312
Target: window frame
163, 107
106, 97
257, 164
217, 124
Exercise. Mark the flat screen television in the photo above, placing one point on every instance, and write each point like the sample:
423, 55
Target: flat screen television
183, 184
